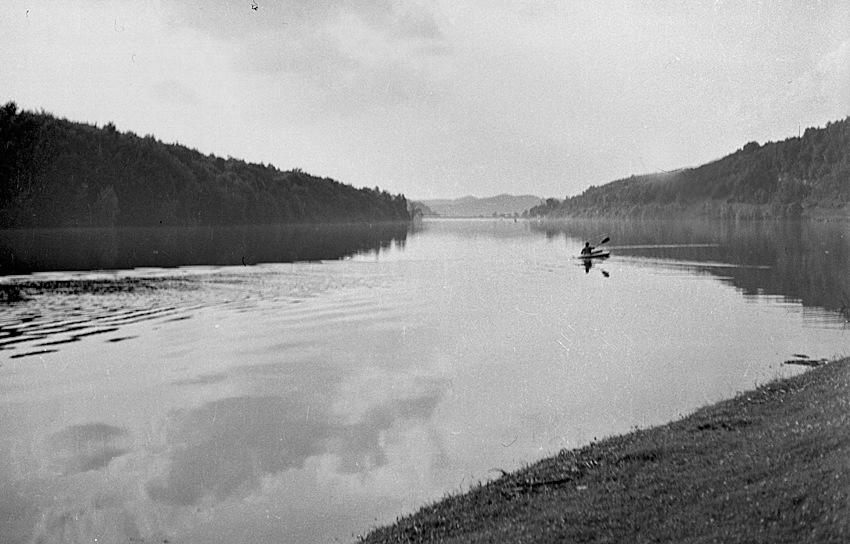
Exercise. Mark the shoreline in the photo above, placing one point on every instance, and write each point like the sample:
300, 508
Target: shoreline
769, 465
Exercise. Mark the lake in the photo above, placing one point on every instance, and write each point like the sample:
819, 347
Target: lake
339, 379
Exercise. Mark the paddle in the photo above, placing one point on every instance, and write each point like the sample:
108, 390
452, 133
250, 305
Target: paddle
592, 251
604, 240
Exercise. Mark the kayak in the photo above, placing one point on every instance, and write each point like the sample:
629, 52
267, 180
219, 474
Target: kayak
598, 254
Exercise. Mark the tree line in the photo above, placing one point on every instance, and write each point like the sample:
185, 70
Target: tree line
58, 173
806, 176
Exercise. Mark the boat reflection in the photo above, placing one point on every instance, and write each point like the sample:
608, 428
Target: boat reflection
804, 262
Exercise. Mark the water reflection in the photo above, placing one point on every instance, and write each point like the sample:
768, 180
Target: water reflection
62, 310
53, 313
80, 448
799, 261
305, 402
197, 436
587, 264
37, 250
224, 448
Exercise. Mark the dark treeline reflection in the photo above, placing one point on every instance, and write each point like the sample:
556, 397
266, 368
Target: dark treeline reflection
39, 250
801, 261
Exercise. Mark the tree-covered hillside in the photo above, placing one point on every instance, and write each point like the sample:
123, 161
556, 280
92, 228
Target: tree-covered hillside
806, 176
57, 173
494, 206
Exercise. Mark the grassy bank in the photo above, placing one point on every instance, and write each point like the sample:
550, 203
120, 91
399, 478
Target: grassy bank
771, 465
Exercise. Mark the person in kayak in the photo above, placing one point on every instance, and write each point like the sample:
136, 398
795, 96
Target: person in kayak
587, 249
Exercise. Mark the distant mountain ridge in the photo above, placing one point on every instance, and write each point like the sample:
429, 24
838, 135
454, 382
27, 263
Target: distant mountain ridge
503, 205
800, 177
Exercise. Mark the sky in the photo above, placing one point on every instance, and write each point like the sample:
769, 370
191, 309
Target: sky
438, 98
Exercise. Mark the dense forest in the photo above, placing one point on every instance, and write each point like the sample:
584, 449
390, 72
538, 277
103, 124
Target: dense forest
807, 176
58, 173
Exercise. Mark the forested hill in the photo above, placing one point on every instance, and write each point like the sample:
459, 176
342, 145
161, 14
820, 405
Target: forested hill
806, 176
470, 206
58, 173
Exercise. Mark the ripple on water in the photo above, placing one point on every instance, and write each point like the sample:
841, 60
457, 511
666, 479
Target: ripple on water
48, 311
51, 312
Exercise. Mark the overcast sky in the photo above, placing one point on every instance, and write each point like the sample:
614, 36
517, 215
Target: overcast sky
438, 98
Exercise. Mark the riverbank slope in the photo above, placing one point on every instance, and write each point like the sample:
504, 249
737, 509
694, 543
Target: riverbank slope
770, 465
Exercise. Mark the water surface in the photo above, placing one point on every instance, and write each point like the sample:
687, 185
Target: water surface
310, 401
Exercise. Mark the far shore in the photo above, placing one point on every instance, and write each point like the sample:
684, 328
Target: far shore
770, 465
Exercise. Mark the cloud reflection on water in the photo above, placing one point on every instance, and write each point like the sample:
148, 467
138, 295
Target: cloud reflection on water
226, 447
81, 448
281, 450
393, 383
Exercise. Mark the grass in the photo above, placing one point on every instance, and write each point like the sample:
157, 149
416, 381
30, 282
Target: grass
771, 465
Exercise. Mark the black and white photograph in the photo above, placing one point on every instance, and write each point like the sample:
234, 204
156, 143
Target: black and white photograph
396, 271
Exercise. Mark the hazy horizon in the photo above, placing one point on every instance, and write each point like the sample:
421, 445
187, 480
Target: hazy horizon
437, 99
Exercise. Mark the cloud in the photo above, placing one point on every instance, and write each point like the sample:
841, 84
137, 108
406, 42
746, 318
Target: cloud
820, 93
81, 448
362, 91
173, 92
224, 448
236, 19
18, 513
95, 523
227, 447
832, 78
327, 58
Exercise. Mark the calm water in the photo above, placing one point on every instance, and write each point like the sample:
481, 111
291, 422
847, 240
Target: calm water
310, 401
